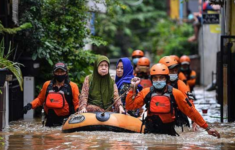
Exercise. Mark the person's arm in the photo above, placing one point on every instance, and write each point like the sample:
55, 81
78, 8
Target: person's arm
138, 101
41, 97
182, 77
117, 100
192, 113
188, 110
184, 89
75, 93
84, 94
192, 80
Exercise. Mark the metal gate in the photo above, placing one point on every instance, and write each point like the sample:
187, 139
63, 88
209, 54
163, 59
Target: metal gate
226, 78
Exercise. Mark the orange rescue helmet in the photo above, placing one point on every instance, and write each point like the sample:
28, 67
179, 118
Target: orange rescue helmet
169, 61
143, 61
184, 60
137, 53
176, 57
159, 69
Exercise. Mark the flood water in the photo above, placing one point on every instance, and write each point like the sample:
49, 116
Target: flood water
31, 135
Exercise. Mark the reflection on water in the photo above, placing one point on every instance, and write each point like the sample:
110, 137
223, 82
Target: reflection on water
31, 135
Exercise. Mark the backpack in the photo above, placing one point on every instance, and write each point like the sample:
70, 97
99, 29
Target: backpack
66, 90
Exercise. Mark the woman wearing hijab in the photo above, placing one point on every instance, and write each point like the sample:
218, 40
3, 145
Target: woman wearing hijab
124, 74
99, 91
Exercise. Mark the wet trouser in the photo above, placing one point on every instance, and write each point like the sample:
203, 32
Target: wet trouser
191, 88
181, 119
54, 120
154, 124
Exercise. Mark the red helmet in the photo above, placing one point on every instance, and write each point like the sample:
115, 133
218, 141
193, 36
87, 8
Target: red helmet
143, 61
137, 53
159, 69
169, 61
184, 60
176, 57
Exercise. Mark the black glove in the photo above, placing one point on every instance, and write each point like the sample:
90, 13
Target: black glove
26, 108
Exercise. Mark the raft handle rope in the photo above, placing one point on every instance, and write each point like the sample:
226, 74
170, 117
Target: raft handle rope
115, 101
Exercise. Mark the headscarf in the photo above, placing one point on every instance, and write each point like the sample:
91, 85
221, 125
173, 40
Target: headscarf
101, 88
127, 72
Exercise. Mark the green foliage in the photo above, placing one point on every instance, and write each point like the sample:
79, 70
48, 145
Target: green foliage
146, 27
14, 67
127, 29
169, 37
13, 30
59, 33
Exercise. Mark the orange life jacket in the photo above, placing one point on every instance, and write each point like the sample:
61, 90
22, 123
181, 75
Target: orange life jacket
145, 83
56, 101
161, 105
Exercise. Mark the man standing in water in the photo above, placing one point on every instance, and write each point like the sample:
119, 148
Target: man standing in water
59, 97
161, 100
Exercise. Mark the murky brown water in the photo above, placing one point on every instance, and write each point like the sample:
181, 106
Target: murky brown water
31, 135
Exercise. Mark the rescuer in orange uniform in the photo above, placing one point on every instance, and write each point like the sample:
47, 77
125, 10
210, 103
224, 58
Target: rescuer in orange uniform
142, 71
59, 97
176, 58
187, 75
161, 101
136, 55
173, 66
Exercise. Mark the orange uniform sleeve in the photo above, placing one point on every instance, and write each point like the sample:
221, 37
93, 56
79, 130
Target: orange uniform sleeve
192, 81
182, 76
191, 112
41, 97
138, 102
184, 89
75, 93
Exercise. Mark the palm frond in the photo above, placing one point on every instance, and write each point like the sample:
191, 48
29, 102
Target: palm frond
2, 47
14, 67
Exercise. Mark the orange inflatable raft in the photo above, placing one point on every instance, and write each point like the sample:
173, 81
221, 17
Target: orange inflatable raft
99, 121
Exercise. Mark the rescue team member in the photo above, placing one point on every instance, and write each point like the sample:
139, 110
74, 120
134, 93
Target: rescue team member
188, 76
173, 66
180, 73
124, 74
161, 101
176, 58
99, 91
136, 55
142, 71
59, 97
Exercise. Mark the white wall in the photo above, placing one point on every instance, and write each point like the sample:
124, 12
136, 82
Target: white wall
209, 45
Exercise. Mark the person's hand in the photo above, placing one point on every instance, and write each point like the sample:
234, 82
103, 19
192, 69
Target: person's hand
26, 108
121, 110
213, 132
195, 127
83, 110
135, 81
